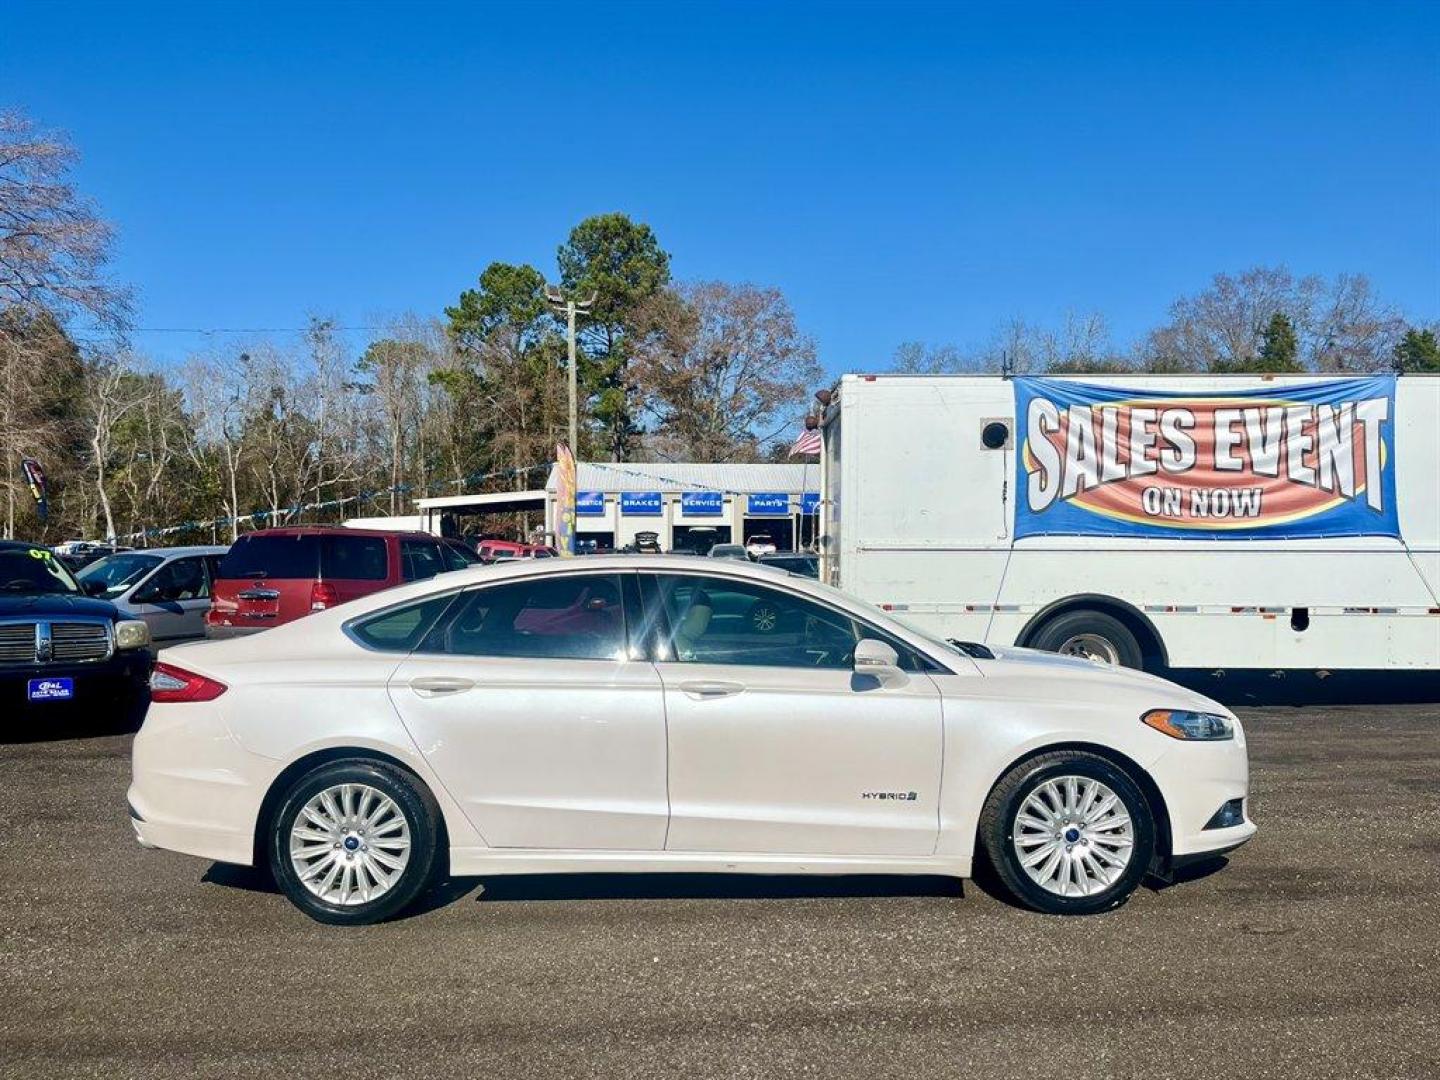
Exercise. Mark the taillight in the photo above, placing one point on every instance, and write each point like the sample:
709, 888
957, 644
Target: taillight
322, 596
169, 683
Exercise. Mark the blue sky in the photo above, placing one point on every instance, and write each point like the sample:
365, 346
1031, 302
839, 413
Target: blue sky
903, 172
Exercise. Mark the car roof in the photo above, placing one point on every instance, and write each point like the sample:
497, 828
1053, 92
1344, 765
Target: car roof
20, 545
179, 552
337, 530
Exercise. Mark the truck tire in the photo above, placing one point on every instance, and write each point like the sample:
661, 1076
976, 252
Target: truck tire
1093, 635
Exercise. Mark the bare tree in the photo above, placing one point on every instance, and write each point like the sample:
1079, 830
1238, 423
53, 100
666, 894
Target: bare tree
219, 395
1340, 324
396, 367
52, 243
723, 368
110, 395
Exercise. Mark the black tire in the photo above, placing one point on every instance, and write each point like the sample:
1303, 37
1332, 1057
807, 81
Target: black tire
421, 817
1073, 625
998, 823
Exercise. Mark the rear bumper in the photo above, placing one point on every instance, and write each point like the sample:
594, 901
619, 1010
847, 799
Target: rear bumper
194, 788
223, 631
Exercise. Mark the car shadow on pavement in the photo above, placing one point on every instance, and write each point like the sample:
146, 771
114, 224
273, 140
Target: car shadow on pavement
683, 886
1202, 868
63, 727
258, 879
679, 886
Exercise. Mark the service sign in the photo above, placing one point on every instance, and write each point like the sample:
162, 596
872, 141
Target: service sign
768, 502
702, 503
1313, 460
810, 502
589, 503
640, 503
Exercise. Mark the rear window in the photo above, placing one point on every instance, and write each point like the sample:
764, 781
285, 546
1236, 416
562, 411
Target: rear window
349, 558
272, 557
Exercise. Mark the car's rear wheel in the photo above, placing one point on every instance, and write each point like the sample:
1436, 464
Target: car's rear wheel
1069, 833
353, 842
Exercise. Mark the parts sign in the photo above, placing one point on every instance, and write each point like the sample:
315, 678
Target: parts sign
1293, 460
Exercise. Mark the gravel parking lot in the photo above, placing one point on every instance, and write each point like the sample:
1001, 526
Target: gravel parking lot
1315, 953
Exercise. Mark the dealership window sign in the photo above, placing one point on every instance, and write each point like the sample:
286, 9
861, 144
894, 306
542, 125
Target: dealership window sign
589, 504
768, 502
640, 503
810, 502
702, 503
1307, 460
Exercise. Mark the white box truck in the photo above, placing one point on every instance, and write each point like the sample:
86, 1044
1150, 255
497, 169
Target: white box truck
1164, 522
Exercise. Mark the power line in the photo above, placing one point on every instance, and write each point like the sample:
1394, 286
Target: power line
242, 329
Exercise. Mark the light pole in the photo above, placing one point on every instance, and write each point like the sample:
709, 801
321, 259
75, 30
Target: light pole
571, 307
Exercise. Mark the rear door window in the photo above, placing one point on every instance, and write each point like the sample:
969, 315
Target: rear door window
573, 617
272, 557
354, 558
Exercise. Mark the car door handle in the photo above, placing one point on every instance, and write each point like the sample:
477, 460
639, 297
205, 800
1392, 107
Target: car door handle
440, 684
705, 688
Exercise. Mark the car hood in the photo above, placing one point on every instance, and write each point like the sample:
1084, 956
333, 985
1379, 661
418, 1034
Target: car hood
1038, 664
54, 605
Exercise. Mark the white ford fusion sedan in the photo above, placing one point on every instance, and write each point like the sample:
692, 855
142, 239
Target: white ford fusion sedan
654, 714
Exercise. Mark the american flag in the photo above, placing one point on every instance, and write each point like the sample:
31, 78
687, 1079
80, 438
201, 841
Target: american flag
807, 443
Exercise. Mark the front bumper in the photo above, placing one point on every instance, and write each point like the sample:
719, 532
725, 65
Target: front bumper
121, 681
1197, 779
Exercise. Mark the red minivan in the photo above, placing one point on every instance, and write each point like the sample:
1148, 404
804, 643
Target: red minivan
273, 576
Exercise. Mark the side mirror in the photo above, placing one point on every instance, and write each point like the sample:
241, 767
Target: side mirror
93, 587
880, 660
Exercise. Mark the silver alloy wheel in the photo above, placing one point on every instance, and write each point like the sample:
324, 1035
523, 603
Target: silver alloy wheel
1091, 647
1073, 836
350, 844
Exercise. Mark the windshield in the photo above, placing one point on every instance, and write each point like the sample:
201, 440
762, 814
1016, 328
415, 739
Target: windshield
117, 573
33, 570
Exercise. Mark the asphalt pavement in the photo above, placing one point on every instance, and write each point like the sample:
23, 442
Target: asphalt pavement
1314, 953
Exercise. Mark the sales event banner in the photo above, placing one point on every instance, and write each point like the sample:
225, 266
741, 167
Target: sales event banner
1313, 460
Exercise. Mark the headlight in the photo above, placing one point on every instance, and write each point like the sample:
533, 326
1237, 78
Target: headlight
1192, 726
131, 634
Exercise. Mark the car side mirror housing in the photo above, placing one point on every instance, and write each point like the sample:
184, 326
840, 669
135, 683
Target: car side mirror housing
93, 587
879, 660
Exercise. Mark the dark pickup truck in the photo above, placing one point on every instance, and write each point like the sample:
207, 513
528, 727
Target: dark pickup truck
61, 650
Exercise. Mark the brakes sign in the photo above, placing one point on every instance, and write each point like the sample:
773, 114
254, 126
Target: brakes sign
1311, 460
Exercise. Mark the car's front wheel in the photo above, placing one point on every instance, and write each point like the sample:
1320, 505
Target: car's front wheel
1069, 833
353, 842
